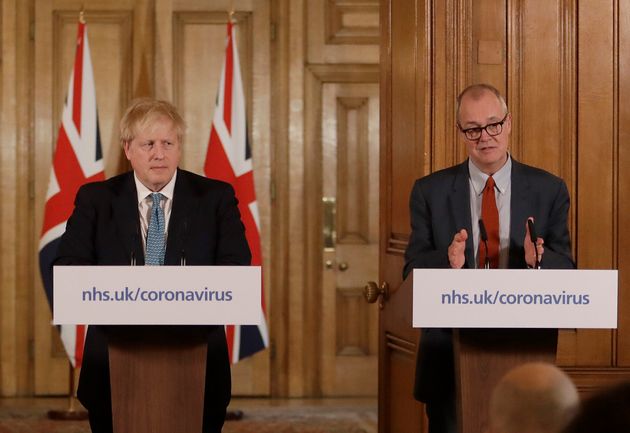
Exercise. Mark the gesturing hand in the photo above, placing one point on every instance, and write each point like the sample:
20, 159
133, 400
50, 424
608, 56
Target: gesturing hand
457, 248
528, 245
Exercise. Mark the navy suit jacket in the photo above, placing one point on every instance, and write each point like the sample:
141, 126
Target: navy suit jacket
204, 226
440, 207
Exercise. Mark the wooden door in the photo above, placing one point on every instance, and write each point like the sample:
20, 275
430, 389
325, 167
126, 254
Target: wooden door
402, 159
325, 99
350, 254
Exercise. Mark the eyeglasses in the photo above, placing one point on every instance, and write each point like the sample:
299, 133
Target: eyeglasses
492, 129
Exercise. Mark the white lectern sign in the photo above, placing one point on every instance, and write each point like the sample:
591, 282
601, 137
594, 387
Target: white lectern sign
514, 298
152, 295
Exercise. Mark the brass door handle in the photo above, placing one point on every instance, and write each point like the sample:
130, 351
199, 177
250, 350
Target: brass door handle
328, 223
343, 266
373, 293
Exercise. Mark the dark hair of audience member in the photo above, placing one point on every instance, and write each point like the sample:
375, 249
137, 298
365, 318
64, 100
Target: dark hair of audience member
605, 412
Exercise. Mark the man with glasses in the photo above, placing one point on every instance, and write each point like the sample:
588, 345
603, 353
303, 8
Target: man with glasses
446, 208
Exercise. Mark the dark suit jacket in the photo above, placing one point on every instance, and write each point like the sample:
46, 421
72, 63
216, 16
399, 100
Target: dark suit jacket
104, 229
440, 207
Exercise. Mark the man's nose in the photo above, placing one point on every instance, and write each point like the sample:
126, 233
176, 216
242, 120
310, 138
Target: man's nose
158, 151
484, 135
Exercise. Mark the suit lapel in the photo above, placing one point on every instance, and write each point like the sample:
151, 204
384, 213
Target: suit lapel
520, 209
184, 205
125, 211
460, 208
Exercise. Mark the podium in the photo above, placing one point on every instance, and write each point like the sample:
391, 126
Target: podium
157, 366
157, 380
504, 318
483, 356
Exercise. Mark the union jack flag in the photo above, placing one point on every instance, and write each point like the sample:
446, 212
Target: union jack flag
229, 159
77, 159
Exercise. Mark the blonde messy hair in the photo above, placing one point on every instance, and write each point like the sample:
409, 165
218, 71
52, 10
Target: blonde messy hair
144, 112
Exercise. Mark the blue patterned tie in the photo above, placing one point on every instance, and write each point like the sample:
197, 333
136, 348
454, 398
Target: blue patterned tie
155, 233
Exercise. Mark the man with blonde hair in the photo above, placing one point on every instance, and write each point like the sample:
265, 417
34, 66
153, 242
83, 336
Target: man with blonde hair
533, 398
156, 214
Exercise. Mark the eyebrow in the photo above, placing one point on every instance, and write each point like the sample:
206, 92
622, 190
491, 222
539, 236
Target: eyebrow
478, 125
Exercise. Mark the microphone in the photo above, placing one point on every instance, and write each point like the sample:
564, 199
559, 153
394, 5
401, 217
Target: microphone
184, 235
484, 237
134, 242
534, 238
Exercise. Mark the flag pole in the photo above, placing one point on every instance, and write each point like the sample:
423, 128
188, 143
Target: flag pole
233, 414
74, 412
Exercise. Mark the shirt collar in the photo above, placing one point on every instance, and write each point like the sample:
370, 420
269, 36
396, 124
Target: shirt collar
144, 192
501, 177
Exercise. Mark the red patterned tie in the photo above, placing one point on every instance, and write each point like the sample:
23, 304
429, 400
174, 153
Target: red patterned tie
490, 217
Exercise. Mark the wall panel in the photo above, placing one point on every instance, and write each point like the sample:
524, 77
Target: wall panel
196, 76
15, 119
111, 43
406, 59
622, 215
596, 169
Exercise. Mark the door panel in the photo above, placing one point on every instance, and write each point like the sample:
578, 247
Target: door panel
404, 119
350, 187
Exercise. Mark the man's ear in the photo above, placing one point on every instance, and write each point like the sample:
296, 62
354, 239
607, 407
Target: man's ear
125, 146
508, 123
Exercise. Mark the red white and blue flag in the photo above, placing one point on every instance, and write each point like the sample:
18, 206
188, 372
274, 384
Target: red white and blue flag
77, 159
229, 159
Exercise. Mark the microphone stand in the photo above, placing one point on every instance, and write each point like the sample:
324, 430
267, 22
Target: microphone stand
484, 238
534, 237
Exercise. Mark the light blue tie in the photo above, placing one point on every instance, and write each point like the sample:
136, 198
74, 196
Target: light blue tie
155, 233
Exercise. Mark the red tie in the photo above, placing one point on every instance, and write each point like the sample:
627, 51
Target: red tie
490, 217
